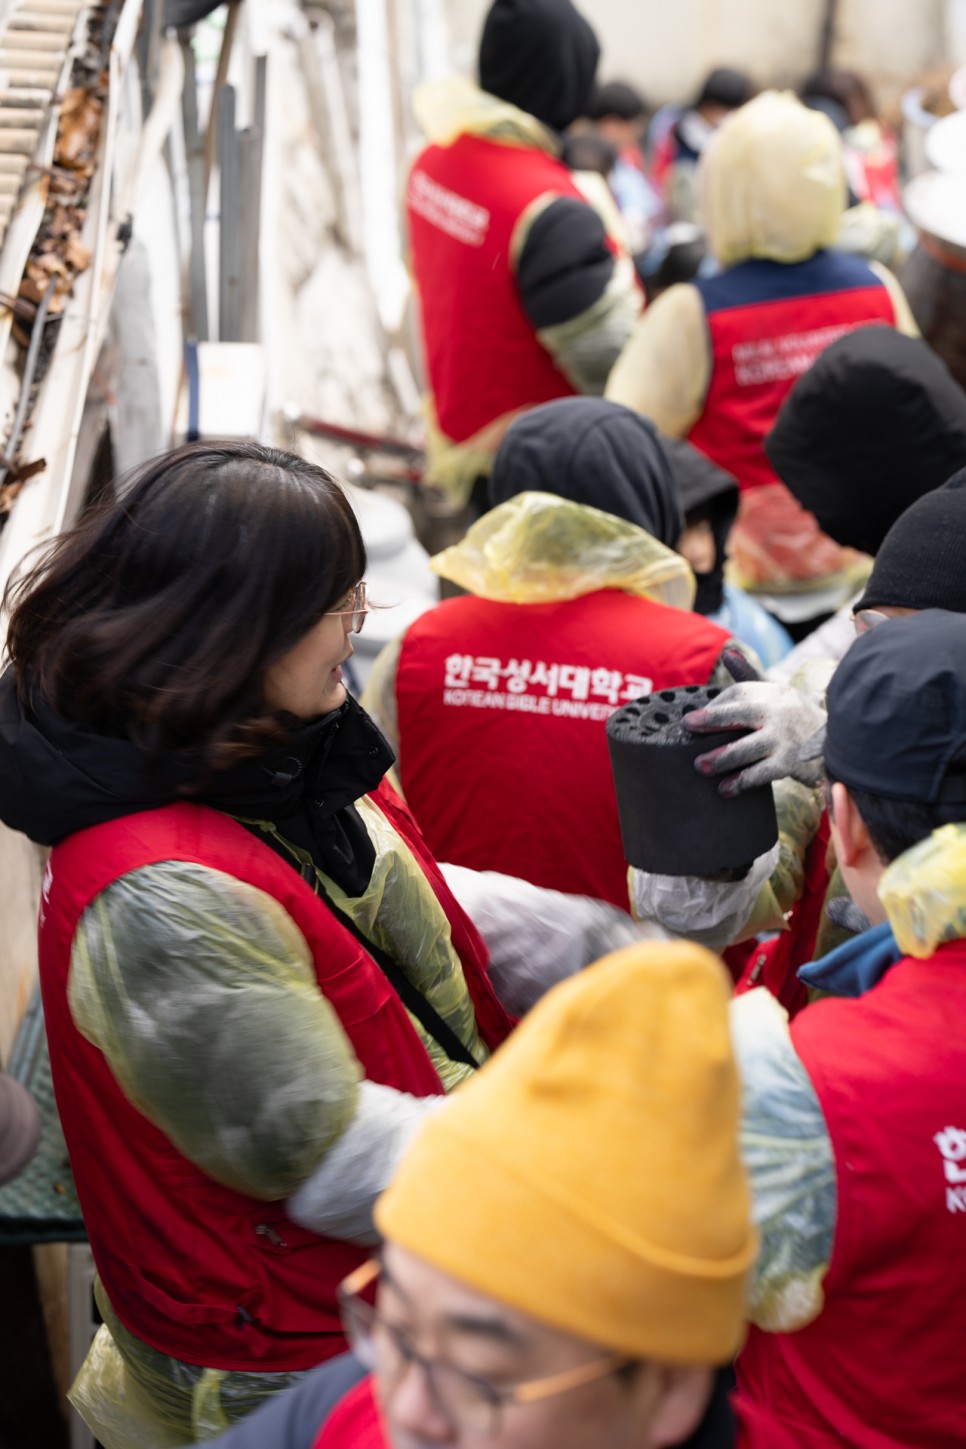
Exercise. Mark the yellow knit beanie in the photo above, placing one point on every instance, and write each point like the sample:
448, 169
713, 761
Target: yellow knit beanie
589, 1174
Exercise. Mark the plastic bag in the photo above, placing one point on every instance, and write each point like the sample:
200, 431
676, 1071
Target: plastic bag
537, 937
537, 549
788, 1156
712, 913
113, 1407
133, 1397
339, 1197
924, 892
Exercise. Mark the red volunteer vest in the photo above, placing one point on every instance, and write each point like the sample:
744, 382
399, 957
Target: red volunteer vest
884, 1365
463, 201
768, 321
193, 1268
501, 727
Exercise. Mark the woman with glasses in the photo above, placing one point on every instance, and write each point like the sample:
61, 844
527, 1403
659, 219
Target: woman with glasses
254, 975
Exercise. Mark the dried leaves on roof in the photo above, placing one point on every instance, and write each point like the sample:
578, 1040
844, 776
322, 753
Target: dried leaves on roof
58, 251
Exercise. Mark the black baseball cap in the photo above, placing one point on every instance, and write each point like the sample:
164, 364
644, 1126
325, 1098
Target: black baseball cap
897, 711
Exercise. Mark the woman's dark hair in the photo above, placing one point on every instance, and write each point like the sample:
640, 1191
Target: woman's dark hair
615, 98
846, 88
157, 617
725, 87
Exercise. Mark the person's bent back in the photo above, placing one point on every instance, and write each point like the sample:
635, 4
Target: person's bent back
864, 1270
713, 360
496, 701
525, 289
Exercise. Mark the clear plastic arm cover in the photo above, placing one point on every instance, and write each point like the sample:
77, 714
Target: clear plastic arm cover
132, 1397
200, 992
788, 1156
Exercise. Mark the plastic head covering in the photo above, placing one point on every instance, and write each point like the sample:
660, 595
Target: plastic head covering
539, 549
705, 491
921, 562
541, 56
772, 182
924, 892
876, 422
593, 452
591, 1170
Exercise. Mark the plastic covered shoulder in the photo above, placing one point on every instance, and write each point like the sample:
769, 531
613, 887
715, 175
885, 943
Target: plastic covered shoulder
538, 548
788, 1156
200, 991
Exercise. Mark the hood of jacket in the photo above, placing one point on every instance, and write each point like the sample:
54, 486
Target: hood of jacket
856, 966
596, 453
57, 777
541, 56
540, 549
453, 107
772, 182
705, 491
924, 892
875, 423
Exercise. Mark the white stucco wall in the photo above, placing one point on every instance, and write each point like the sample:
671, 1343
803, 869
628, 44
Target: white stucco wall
666, 49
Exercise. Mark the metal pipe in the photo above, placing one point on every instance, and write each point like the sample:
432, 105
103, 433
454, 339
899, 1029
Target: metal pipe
221, 76
197, 200
826, 42
26, 383
229, 251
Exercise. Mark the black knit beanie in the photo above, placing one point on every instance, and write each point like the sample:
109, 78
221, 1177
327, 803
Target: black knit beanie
922, 561
876, 422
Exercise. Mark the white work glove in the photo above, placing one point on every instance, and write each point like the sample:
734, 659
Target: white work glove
535, 936
788, 732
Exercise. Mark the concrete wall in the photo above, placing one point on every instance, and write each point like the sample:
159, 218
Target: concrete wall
666, 49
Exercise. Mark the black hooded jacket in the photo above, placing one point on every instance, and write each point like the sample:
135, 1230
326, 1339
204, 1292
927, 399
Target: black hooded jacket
57, 778
593, 452
875, 423
541, 56
705, 491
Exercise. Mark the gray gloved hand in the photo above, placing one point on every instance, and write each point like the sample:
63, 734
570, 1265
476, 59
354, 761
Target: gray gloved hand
842, 911
786, 740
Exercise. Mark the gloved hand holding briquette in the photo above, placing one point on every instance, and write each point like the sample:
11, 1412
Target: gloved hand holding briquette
787, 730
